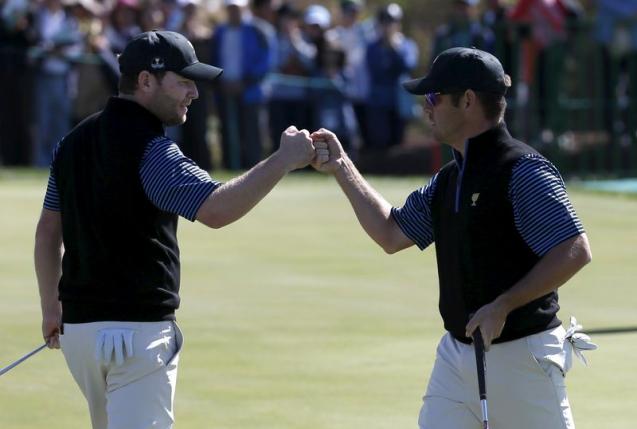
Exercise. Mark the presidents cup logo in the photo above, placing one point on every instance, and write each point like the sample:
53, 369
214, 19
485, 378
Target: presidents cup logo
157, 64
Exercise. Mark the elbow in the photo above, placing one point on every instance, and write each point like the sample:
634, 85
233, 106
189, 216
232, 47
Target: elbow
211, 221
390, 249
584, 254
587, 256
390, 245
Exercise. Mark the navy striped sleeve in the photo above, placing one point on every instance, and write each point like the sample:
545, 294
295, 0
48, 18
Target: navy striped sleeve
542, 211
52, 197
173, 182
414, 217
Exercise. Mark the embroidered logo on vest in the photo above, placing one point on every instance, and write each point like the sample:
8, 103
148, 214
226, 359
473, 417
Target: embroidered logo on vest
474, 199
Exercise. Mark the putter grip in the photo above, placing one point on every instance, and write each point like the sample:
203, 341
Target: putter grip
481, 364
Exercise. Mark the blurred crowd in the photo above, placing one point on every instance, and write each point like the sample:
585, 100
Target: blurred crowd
312, 66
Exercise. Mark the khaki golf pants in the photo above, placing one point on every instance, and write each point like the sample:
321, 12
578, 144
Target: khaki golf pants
126, 370
524, 381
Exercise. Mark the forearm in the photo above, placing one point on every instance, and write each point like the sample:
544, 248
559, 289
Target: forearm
372, 210
551, 272
234, 199
48, 262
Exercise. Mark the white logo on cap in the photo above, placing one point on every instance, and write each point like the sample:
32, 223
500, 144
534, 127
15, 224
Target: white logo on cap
157, 63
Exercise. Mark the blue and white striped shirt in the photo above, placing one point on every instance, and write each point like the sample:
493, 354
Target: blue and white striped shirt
172, 182
542, 212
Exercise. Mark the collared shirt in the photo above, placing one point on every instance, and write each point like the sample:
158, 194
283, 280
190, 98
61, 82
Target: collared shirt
173, 182
231, 47
542, 211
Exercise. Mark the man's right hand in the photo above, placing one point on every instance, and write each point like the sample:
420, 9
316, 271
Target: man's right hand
296, 149
51, 323
336, 152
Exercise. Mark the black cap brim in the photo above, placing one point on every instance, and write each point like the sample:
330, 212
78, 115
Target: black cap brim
201, 72
421, 86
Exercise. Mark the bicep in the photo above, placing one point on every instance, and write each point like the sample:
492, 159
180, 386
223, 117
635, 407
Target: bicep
543, 213
173, 182
397, 238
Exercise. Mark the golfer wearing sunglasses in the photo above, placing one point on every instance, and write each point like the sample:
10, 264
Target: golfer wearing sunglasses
506, 238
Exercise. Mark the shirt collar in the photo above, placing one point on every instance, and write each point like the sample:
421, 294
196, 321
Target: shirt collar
133, 115
477, 143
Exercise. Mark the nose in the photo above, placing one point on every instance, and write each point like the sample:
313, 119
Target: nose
194, 92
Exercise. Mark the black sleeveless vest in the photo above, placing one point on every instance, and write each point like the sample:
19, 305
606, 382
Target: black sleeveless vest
479, 252
121, 259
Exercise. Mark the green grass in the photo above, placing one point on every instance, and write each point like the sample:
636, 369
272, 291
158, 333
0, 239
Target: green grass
294, 319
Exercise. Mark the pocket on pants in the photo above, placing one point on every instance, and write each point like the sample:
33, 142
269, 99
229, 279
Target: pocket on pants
547, 349
114, 345
156, 347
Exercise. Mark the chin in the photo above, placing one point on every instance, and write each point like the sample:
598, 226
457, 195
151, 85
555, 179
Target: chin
171, 122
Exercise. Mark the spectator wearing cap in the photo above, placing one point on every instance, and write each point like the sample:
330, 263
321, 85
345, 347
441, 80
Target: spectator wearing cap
463, 28
295, 59
243, 51
353, 36
389, 60
59, 42
116, 190
317, 19
327, 99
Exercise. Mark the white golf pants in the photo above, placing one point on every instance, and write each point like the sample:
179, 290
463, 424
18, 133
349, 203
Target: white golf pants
126, 370
524, 381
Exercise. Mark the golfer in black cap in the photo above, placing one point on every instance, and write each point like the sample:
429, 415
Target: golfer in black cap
506, 238
116, 189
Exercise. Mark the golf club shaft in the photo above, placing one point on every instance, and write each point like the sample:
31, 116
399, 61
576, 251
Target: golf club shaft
478, 344
22, 359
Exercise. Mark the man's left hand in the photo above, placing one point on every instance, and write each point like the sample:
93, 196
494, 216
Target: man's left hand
490, 320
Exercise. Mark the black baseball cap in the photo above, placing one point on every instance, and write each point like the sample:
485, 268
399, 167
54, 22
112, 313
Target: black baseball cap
165, 51
461, 69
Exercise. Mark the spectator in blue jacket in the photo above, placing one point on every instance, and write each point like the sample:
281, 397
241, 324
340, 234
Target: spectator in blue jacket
242, 50
389, 60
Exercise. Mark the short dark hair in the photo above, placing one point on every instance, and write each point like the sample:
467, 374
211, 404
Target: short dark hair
128, 82
493, 105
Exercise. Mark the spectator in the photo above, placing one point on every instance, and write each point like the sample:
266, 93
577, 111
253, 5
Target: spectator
616, 33
58, 43
152, 16
97, 76
353, 36
16, 35
124, 24
193, 141
462, 29
615, 26
495, 20
546, 21
264, 18
328, 103
389, 60
242, 51
287, 93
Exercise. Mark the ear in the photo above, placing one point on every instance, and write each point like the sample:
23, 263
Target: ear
470, 99
145, 81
